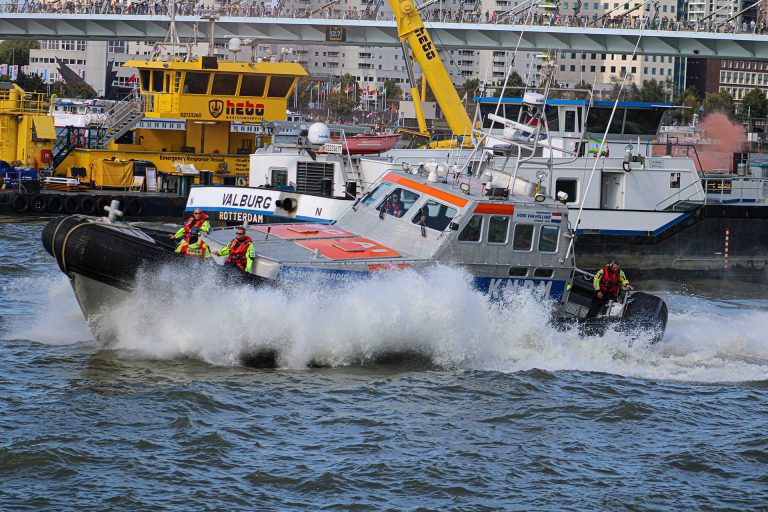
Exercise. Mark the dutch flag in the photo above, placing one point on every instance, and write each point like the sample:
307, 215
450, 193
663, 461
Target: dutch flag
556, 217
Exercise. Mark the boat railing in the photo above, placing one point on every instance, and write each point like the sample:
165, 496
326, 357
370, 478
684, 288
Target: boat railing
13, 102
720, 189
690, 151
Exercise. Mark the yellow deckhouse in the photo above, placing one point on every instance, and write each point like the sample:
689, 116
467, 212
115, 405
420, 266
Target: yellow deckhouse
205, 112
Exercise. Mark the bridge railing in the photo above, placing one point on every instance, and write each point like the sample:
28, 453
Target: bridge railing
555, 18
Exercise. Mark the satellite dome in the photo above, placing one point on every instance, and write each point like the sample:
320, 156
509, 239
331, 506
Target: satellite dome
319, 133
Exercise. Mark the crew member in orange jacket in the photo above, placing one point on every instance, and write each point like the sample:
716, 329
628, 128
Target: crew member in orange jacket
198, 219
607, 283
240, 250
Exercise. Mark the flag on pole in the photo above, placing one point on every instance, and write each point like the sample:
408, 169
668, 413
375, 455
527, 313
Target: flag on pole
3, 69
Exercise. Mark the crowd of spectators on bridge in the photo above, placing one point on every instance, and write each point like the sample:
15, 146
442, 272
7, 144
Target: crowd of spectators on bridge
544, 17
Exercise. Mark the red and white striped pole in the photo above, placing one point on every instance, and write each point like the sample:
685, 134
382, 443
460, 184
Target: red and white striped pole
727, 236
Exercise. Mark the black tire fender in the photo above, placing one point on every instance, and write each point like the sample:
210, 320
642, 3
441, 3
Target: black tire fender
134, 207
86, 205
70, 204
55, 204
20, 203
37, 203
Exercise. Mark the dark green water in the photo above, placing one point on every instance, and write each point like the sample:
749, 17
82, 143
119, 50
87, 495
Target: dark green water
493, 411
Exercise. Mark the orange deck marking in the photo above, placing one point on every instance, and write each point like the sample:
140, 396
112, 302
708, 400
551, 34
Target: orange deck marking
349, 248
301, 231
432, 191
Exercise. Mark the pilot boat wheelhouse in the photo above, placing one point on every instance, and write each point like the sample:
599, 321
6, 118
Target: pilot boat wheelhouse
408, 221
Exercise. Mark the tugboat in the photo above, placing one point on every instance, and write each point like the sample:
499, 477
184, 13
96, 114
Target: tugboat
510, 240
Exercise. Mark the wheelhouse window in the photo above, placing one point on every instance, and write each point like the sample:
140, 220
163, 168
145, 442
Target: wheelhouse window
473, 229
398, 202
498, 227
568, 185
157, 81
548, 238
434, 215
253, 85
523, 239
196, 83
279, 86
144, 79
224, 84
379, 192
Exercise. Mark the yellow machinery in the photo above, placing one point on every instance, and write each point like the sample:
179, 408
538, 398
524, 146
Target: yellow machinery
26, 131
205, 113
410, 29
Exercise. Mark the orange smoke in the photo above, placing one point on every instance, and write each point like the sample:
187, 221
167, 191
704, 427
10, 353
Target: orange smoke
725, 137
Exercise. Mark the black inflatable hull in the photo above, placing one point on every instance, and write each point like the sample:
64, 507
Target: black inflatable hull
104, 261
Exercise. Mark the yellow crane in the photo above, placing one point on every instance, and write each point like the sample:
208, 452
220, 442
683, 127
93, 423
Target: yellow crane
411, 29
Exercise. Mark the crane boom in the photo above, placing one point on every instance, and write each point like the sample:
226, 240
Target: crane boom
411, 28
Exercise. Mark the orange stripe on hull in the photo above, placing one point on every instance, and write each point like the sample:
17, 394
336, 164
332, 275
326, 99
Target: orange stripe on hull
497, 209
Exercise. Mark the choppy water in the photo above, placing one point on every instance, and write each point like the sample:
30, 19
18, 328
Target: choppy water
493, 410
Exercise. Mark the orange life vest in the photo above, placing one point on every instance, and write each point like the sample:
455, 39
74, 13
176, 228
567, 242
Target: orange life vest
609, 283
238, 251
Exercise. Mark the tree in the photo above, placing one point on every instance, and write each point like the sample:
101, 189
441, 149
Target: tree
340, 104
690, 99
303, 91
719, 102
15, 52
30, 83
652, 90
80, 91
753, 104
630, 92
469, 88
392, 89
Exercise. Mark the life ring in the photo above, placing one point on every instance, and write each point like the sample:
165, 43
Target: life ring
55, 204
70, 204
134, 207
37, 203
20, 203
86, 205
241, 182
78, 140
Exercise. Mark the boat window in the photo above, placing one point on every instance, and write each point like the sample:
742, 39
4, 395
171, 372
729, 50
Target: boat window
517, 271
398, 202
157, 81
279, 177
570, 121
279, 86
224, 84
544, 273
597, 120
568, 185
643, 121
377, 194
471, 232
434, 215
498, 227
523, 240
144, 79
253, 85
548, 238
196, 83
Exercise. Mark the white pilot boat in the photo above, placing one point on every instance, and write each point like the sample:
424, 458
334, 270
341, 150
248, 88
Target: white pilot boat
507, 240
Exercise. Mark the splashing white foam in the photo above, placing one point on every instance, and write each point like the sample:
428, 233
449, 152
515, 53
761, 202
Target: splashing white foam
435, 314
49, 314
